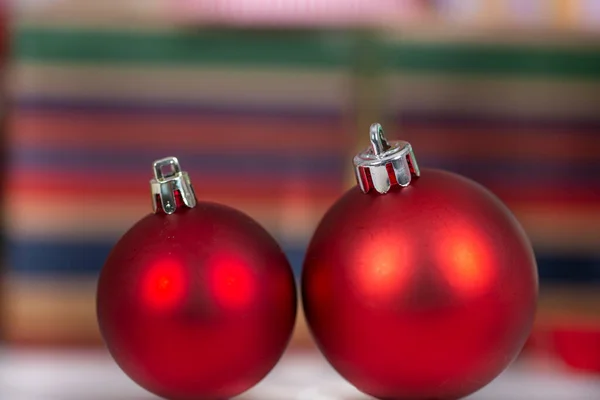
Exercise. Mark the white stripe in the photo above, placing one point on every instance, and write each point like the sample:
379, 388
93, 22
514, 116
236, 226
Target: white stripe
97, 220
201, 85
501, 96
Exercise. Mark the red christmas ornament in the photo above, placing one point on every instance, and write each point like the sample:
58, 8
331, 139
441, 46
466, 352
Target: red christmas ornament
426, 292
578, 346
196, 301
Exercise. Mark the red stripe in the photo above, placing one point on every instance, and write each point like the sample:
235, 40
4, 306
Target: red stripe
48, 182
563, 145
135, 132
37, 183
558, 194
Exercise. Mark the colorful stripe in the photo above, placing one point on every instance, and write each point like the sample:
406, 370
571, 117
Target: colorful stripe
297, 91
297, 49
264, 123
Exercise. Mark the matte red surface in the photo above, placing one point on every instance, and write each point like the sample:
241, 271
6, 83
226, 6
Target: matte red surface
196, 305
427, 292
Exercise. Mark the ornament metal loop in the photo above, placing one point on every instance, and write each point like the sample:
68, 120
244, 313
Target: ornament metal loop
385, 163
169, 181
378, 141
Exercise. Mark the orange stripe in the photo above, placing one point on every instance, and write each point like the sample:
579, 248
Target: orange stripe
97, 181
33, 321
566, 12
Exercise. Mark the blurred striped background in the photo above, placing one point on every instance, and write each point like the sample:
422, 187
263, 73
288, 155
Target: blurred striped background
267, 121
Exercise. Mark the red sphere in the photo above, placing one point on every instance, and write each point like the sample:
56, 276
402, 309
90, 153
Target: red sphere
426, 292
578, 346
199, 304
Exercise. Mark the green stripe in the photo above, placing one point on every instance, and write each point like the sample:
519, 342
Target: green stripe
180, 47
492, 59
297, 50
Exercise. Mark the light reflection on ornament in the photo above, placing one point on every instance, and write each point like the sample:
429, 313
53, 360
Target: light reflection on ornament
232, 282
164, 284
384, 267
464, 261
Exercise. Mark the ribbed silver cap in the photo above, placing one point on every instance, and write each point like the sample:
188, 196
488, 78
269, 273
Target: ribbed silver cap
385, 164
168, 184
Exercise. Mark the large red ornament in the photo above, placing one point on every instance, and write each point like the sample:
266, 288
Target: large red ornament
196, 301
426, 292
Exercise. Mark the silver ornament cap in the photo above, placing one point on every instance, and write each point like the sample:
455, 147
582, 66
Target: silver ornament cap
385, 163
168, 182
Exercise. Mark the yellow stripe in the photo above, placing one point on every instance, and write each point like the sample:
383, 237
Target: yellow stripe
54, 311
59, 311
554, 228
579, 304
292, 219
559, 229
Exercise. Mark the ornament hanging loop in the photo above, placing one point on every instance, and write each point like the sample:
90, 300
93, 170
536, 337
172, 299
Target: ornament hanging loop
170, 163
385, 163
170, 186
378, 140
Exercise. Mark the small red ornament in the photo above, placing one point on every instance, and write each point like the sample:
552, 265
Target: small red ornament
426, 292
196, 301
578, 345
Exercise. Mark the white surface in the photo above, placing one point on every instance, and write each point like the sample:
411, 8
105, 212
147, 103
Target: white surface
93, 376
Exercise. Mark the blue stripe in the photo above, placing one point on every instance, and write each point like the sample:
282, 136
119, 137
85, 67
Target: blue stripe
177, 108
521, 173
405, 117
49, 258
479, 123
325, 166
574, 268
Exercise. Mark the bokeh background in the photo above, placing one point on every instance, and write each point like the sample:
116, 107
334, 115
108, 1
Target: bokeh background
265, 107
